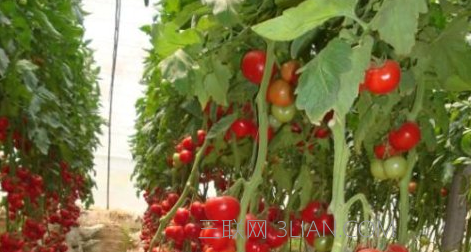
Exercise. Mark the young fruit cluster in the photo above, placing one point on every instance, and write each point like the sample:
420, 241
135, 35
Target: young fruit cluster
389, 164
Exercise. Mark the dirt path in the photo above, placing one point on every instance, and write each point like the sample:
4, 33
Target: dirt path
119, 233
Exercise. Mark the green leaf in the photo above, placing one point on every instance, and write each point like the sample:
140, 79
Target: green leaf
41, 140
168, 38
397, 22
46, 24
221, 126
4, 62
306, 16
351, 80
224, 10
217, 83
451, 56
282, 177
26, 68
319, 84
177, 69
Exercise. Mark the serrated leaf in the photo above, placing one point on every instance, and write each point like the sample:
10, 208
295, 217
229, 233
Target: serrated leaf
351, 80
4, 62
177, 69
168, 38
282, 177
397, 22
221, 126
306, 16
319, 83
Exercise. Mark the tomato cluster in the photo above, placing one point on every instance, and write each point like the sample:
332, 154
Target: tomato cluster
389, 164
25, 190
40, 215
185, 149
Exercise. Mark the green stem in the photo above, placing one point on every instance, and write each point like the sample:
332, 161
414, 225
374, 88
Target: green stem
404, 200
256, 179
166, 219
342, 154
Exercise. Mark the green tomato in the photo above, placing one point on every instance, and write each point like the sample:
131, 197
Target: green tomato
283, 114
323, 243
395, 167
23, 2
377, 169
466, 144
176, 160
274, 122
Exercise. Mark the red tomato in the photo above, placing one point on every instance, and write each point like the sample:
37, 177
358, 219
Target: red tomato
216, 237
242, 128
172, 198
192, 231
181, 216
321, 132
251, 246
197, 210
406, 137
175, 233
384, 151
188, 144
276, 237
224, 208
280, 93
310, 237
396, 248
312, 211
4, 123
156, 209
369, 250
253, 66
274, 214
295, 128
325, 223
201, 137
288, 71
179, 147
254, 231
296, 227
383, 79
186, 156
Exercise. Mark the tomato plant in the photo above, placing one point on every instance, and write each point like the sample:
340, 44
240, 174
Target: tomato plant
49, 123
410, 60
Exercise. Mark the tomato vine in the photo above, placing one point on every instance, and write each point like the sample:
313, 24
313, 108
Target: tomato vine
366, 90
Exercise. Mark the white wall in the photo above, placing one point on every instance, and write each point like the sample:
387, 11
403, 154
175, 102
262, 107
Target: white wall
100, 29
